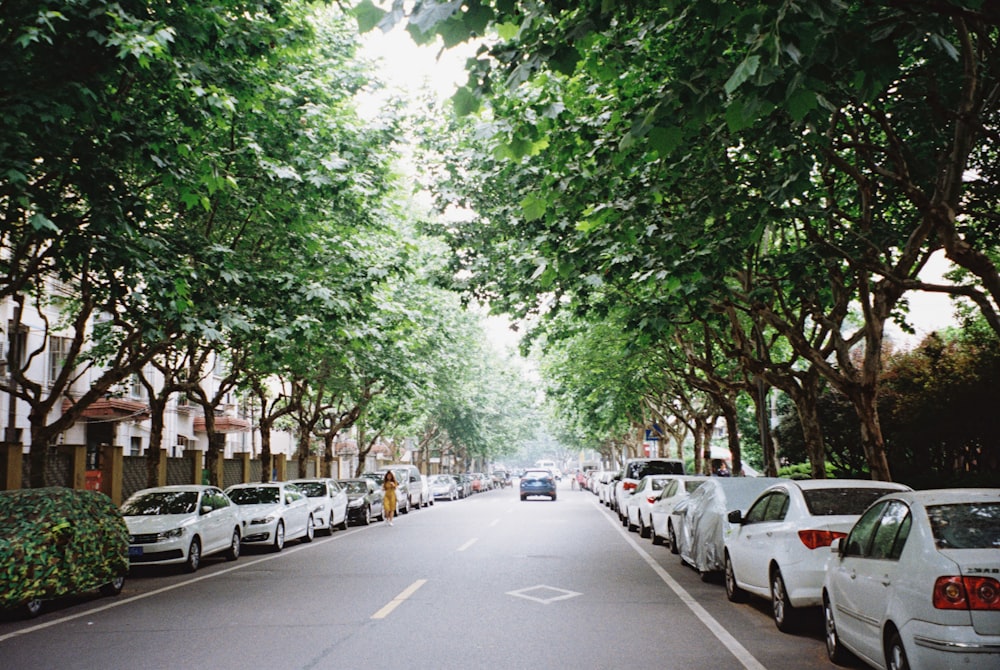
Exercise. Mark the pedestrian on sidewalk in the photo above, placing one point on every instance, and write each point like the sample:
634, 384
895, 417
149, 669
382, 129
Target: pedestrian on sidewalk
389, 485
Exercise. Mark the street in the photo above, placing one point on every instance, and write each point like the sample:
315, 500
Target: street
485, 582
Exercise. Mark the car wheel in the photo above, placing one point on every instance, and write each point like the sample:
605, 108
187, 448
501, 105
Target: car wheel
343, 523
553, 497
657, 539
279, 536
836, 652
234, 546
672, 538
784, 614
32, 608
733, 592
895, 655
194, 556
114, 587
632, 528
523, 498
643, 528
310, 530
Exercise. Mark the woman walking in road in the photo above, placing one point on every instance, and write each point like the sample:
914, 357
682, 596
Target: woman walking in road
389, 496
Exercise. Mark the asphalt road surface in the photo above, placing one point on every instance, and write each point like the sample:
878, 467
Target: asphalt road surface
487, 582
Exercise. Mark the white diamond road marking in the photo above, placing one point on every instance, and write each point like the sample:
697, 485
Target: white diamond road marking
560, 594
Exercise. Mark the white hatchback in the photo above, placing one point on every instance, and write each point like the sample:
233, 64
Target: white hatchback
679, 488
916, 583
638, 505
273, 513
775, 549
181, 524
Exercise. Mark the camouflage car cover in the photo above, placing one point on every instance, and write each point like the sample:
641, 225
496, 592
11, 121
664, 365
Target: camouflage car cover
57, 541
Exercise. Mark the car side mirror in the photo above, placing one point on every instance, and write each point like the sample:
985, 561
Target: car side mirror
735, 517
837, 546
206, 509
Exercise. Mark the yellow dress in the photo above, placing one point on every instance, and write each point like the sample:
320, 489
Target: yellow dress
389, 498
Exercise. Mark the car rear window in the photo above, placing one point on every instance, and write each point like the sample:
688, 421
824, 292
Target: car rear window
313, 489
845, 501
643, 468
966, 525
264, 495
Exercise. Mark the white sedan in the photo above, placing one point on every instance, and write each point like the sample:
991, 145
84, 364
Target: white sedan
916, 583
329, 503
638, 504
679, 488
774, 550
273, 513
181, 524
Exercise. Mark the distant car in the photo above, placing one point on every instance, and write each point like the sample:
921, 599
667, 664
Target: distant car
464, 483
634, 470
329, 503
274, 513
916, 582
637, 505
364, 500
538, 483
443, 487
774, 550
181, 525
57, 542
704, 523
678, 488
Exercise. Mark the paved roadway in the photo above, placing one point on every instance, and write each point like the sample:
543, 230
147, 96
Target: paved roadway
487, 582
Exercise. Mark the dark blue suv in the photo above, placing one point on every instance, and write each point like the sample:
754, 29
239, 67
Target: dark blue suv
538, 483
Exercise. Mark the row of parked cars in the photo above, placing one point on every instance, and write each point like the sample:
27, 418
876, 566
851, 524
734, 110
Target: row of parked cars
904, 579
57, 541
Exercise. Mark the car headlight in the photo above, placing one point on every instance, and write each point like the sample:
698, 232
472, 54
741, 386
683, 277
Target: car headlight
262, 520
357, 502
170, 534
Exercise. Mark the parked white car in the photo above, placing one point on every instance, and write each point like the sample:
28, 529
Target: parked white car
627, 479
443, 486
776, 549
181, 525
916, 583
273, 513
679, 488
329, 503
638, 504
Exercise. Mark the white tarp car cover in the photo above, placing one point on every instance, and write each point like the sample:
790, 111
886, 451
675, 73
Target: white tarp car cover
702, 543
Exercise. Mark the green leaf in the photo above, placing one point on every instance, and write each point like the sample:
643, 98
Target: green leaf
41, 222
534, 207
800, 103
665, 140
744, 71
465, 101
368, 15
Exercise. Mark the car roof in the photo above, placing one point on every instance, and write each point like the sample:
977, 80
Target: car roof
947, 496
809, 484
177, 488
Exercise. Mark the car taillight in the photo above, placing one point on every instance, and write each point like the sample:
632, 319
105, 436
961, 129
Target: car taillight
652, 499
967, 593
628, 486
814, 539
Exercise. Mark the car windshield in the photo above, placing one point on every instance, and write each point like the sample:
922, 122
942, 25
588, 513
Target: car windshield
847, 500
355, 487
259, 495
966, 525
692, 484
313, 489
376, 477
443, 479
537, 474
161, 502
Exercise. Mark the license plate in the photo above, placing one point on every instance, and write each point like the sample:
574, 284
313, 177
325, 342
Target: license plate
134, 552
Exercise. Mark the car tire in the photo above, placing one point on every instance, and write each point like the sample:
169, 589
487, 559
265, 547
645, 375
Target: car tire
895, 654
343, 523
32, 608
114, 587
643, 528
279, 537
234, 546
672, 538
657, 539
366, 517
523, 498
733, 591
310, 530
781, 608
193, 561
553, 497
835, 651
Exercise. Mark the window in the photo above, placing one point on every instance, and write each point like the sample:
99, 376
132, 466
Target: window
136, 389
136, 446
16, 345
861, 536
758, 510
891, 531
58, 352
